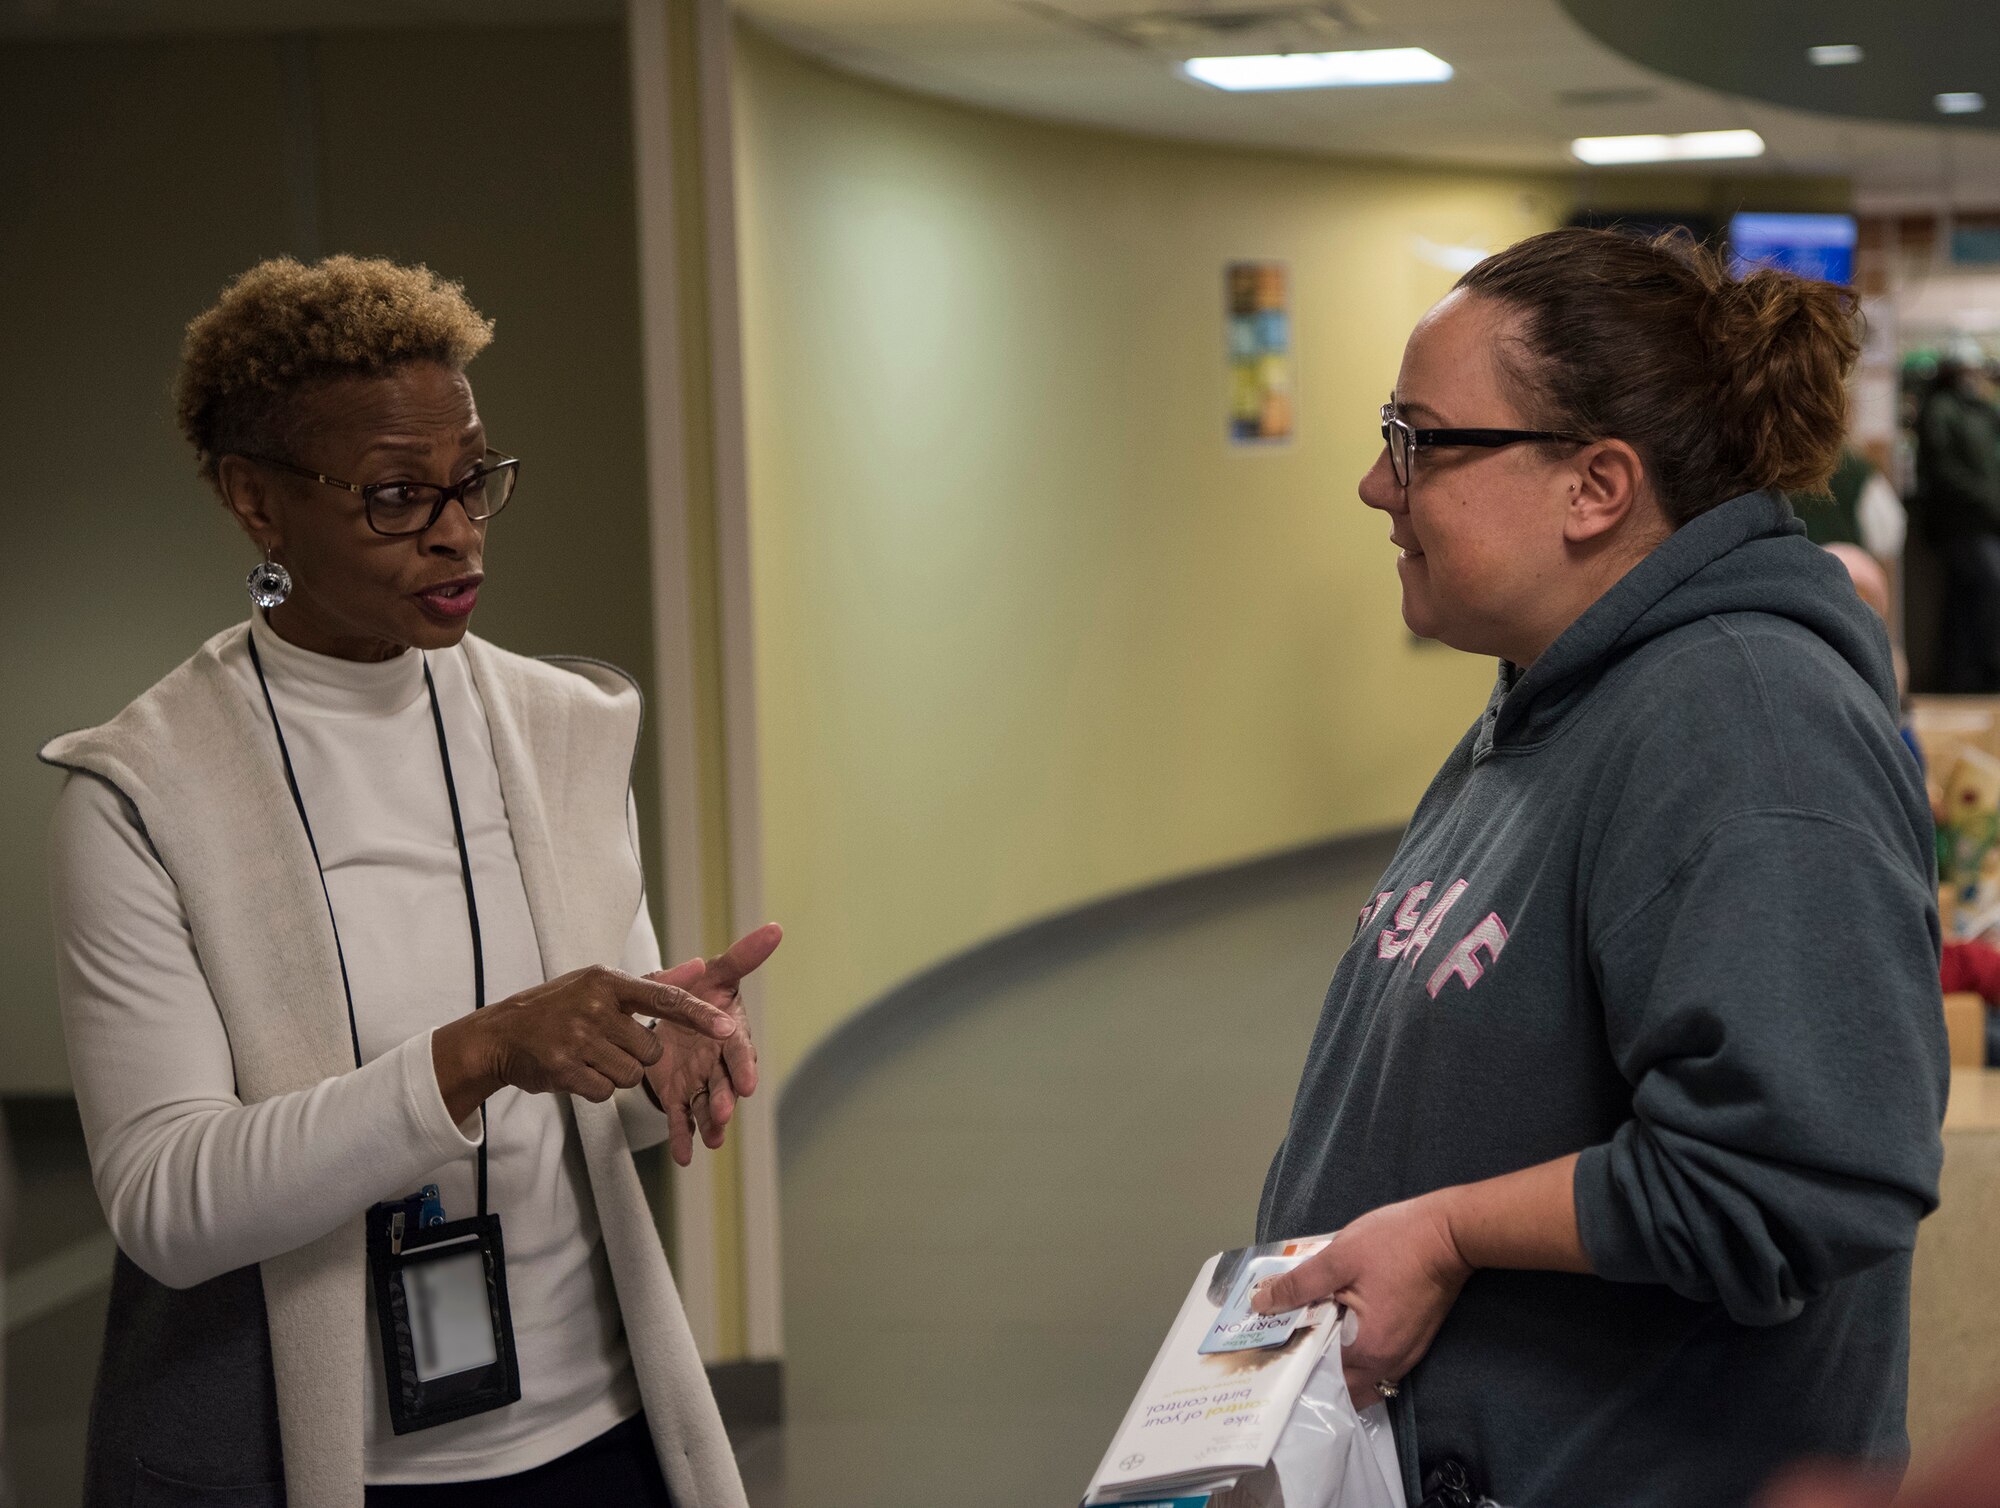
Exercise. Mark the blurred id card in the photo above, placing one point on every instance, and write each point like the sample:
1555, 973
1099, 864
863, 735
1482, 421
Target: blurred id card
441, 1307
1237, 1328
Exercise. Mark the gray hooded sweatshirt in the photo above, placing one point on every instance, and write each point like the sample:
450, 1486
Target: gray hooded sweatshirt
1670, 904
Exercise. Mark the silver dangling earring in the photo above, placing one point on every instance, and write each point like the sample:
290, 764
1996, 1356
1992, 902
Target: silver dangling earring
269, 583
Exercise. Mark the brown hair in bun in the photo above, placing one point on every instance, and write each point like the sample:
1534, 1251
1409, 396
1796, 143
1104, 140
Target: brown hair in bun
1723, 385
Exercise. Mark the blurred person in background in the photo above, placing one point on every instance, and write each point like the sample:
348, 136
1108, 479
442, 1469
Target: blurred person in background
1864, 570
1958, 497
351, 923
1859, 507
1972, 964
1871, 585
1625, 1101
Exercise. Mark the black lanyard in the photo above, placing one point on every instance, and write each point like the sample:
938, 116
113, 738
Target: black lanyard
464, 871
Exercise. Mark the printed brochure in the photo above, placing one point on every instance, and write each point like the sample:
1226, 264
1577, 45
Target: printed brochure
1222, 1388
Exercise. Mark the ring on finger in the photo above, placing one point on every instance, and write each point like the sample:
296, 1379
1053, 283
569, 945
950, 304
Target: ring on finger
1387, 1388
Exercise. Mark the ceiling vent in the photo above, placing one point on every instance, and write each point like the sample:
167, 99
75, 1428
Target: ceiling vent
1213, 30
1598, 99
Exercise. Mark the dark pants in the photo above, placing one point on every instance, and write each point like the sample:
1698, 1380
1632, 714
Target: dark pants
1969, 654
618, 1467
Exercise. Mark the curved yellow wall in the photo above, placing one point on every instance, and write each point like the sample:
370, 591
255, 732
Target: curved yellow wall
1029, 630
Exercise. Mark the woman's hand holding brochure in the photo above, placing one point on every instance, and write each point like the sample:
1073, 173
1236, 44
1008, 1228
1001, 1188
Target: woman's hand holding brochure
1398, 1270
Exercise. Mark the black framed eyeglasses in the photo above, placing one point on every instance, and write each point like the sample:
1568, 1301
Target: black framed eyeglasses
412, 507
1404, 442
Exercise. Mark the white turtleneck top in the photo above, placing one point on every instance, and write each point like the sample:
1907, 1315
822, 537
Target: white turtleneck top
195, 1184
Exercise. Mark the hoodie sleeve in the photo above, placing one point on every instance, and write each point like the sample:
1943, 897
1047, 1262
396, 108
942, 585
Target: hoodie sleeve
1773, 1002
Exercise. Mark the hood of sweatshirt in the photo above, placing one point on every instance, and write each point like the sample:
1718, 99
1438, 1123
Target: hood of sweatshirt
1749, 554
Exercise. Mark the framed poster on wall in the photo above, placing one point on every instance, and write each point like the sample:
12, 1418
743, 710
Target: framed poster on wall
1261, 409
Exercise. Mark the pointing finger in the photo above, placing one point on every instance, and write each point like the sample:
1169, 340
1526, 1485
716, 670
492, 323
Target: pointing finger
643, 997
745, 956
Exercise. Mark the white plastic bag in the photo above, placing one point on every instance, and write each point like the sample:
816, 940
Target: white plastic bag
1329, 1456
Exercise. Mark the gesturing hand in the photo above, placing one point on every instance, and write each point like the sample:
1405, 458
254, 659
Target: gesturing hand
573, 1035
699, 1079
1399, 1271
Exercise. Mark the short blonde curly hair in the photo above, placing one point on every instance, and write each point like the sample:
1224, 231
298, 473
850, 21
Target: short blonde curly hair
284, 326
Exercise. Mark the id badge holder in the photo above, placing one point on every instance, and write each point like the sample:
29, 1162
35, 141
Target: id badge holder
441, 1304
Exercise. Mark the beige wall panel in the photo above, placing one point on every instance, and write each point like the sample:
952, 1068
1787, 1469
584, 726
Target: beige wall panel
1029, 630
517, 181
134, 178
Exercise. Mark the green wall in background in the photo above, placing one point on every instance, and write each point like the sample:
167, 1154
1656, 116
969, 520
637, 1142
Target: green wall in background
135, 179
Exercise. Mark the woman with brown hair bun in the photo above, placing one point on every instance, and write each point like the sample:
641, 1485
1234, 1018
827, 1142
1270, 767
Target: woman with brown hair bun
1625, 1099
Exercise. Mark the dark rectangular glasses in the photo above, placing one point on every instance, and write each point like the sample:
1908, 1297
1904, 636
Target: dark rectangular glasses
412, 507
1404, 442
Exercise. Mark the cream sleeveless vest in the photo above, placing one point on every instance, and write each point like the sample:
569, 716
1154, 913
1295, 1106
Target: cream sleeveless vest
199, 764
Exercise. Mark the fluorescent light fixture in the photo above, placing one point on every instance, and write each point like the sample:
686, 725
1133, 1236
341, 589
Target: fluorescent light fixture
1966, 103
1320, 70
1450, 258
1690, 146
1837, 56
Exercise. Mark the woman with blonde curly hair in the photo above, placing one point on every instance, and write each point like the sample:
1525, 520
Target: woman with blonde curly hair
364, 1008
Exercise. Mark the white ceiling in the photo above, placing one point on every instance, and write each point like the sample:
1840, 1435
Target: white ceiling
1528, 80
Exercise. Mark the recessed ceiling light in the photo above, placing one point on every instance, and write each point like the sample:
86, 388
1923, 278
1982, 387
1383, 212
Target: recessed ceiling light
1320, 70
1690, 146
1966, 103
1836, 56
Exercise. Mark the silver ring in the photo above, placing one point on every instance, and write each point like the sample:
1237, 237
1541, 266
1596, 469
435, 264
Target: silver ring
697, 1094
1388, 1389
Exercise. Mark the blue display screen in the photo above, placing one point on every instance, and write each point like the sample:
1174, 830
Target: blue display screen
1813, 246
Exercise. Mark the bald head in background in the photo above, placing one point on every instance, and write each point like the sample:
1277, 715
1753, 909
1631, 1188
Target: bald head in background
1871, 582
